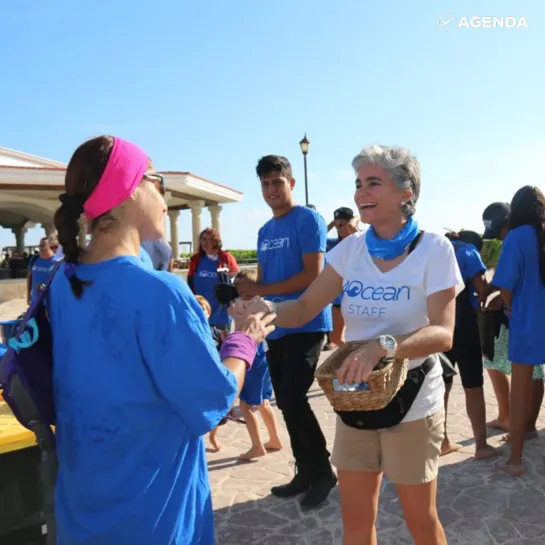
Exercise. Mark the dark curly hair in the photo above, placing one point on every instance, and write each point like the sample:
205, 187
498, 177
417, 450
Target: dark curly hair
528, 208
216, 239
82, 176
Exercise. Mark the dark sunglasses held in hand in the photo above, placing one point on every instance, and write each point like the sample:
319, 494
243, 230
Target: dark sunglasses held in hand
225, 291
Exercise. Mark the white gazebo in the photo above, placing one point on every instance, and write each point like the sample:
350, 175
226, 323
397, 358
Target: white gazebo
30, 187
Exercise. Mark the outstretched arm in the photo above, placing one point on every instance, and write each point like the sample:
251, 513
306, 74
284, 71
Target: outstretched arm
319, 294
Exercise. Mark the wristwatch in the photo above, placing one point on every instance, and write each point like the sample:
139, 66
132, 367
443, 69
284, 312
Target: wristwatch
389, 345
272, 307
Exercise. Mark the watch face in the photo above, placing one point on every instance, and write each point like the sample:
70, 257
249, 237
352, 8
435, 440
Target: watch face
389, 342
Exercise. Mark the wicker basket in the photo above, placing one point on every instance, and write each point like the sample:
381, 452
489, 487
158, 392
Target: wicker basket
383, 384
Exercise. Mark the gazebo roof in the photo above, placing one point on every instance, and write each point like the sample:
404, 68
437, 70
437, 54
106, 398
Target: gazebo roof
25, 177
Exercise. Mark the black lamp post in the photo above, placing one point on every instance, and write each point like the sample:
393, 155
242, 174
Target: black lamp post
304, 148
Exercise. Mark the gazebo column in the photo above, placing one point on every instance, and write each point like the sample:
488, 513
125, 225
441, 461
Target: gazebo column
49, 228
215, 212
167, 197
174, 241
19, 233
196, 221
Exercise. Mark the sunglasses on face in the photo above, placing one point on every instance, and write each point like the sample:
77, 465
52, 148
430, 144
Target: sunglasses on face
158, 180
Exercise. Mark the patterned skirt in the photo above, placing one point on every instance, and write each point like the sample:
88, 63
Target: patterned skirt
501, 361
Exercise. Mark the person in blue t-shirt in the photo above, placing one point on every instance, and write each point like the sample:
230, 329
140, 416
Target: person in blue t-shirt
346, 224
520, 276
137, 378
160, 254
466, 346
291, 248
202, 275
40, 269
145, 257
496, 362
256, 395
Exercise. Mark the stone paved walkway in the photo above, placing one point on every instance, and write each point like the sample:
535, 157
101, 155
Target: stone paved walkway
478, 505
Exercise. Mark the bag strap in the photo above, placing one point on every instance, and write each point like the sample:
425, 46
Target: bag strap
52, 274
41, 295
415, 242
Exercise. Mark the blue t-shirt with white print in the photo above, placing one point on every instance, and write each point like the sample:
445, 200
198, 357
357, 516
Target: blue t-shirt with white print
204, 282
40, 272
471, 264
518, 271
137, 382
281, 244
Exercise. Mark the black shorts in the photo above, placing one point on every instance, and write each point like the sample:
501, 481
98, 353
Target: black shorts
467, 353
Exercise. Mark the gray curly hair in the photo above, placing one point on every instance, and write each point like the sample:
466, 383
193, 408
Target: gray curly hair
403, 168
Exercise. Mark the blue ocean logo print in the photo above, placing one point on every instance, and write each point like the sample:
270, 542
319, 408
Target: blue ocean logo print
274, 244
368, 300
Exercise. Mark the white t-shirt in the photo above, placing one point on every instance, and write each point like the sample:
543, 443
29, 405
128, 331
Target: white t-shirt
394, 303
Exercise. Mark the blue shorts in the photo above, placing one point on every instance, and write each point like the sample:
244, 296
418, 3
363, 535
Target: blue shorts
257, 385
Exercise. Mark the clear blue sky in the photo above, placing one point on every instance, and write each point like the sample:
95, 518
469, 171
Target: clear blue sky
210, 86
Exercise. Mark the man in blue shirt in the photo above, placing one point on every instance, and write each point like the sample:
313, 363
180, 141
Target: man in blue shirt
466, 347
40, 269
291, 248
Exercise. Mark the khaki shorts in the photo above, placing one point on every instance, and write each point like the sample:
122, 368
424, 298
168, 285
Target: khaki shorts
407, 453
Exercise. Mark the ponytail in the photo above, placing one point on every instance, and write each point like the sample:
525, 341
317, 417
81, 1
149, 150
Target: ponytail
68, 227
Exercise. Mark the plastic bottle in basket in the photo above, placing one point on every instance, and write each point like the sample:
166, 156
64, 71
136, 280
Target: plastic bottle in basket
358, 387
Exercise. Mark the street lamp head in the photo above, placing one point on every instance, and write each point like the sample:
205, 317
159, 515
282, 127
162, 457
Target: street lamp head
304, 145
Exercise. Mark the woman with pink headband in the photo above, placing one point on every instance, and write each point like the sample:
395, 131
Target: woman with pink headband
138, 380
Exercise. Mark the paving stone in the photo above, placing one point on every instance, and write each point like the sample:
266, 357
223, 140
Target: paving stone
477, 504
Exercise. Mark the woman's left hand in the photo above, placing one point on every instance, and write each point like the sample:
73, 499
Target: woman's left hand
358, 366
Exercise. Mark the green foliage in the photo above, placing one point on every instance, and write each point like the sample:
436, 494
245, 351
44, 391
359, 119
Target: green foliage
244, 255
239, 255
491, 252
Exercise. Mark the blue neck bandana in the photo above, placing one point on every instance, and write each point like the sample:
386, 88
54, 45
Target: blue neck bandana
390, 249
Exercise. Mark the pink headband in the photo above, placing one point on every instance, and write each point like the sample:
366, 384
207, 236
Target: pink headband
123, 173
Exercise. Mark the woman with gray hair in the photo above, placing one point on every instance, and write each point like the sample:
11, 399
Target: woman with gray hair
399, 289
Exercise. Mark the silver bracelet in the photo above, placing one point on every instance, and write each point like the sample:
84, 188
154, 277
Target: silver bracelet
272, 306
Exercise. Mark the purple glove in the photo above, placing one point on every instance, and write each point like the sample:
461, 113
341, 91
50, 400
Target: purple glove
240, 346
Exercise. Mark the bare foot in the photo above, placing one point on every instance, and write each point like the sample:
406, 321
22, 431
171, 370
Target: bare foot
254, 452
498, 424
448, 448
486, 453
527, 437
515, 470
216, 445
273, 445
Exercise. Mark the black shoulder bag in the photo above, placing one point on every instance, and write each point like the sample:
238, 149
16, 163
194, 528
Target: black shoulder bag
398, 408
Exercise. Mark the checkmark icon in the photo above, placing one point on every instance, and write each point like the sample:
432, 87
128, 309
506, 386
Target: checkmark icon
446, 21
